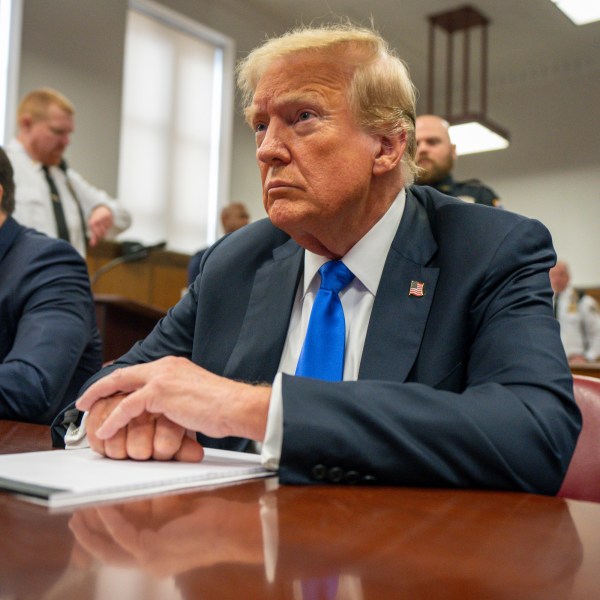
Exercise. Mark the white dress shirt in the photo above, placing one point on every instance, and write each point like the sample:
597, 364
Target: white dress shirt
579, 319
366, 260
33, 205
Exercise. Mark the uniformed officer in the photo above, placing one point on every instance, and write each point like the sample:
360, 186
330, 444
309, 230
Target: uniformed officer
578, 316
436, 155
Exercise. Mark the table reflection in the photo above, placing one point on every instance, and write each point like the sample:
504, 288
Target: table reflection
255, 540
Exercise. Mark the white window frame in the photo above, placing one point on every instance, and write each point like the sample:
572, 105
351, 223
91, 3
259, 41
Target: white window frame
223, 100
11, 14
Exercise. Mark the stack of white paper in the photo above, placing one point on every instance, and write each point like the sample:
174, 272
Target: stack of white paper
68, 477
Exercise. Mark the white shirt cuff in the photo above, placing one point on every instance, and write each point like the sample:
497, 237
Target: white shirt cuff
271, 447
76, 437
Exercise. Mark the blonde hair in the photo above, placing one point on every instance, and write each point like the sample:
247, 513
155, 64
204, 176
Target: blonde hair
380, 90
37, 102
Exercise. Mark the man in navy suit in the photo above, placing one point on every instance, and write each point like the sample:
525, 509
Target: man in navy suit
454, 374
49, 343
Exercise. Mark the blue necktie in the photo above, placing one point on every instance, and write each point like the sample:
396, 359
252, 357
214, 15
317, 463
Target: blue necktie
322, 355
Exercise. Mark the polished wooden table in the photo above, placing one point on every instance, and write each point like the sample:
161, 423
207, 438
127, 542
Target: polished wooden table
261, 540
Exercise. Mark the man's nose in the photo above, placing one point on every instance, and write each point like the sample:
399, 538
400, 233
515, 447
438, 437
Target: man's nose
274, 145
422, 150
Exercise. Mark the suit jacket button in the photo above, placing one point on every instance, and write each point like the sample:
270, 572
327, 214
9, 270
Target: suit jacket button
319, 472
352, 476
335, 475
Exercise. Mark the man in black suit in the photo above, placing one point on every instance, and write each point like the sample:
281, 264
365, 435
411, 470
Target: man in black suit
49, 343
453, 371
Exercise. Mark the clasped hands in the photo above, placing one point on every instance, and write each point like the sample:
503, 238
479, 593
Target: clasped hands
152, 410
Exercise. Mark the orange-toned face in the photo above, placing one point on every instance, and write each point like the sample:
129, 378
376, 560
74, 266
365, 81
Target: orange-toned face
559, 277
316, 162
234, 217
47, 139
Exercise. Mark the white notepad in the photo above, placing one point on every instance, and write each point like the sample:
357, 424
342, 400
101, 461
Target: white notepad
59, 478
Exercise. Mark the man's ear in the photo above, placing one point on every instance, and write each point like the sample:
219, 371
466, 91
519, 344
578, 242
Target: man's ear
390, 152
25, 122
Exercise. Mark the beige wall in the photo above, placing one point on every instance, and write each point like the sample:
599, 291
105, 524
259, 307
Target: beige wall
551, 171
76, 46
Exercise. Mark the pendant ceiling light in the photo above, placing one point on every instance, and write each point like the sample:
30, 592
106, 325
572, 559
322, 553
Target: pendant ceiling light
470, 129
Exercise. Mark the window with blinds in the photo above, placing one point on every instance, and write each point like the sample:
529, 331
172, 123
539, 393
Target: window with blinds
175, 129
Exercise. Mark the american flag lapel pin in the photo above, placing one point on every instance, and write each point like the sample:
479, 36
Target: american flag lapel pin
417, 288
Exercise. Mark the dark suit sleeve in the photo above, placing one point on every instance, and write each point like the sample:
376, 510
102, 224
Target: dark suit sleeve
55, 326
511, 423
194, 265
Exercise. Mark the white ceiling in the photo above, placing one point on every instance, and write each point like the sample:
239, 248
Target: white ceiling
529, 40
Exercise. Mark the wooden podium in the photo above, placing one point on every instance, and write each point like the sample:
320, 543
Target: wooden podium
157, 279
122, 322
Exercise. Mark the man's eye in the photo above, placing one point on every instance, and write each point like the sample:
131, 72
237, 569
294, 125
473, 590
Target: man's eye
259, 127
305, 115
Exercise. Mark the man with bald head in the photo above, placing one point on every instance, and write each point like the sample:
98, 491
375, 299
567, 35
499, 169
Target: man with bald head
436, 155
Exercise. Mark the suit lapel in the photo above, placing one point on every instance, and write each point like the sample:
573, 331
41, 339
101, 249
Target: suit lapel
258, 350
398, 319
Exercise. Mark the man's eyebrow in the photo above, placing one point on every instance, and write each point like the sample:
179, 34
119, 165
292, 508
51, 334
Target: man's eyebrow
250, 112
292, 98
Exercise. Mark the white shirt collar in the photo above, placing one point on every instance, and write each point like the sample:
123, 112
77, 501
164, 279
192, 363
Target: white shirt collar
367, 257
17, 146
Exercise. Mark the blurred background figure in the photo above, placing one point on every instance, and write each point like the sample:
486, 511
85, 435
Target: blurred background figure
233, 217
50, 196
578, 316
436, 155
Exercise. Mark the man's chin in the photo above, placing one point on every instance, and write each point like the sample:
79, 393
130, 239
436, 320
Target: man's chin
286, 216
421, 181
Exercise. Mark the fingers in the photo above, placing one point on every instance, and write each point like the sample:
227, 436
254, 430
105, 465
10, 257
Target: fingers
134, 441
116, 447
190, 451
120, 381
168, 438
125, 412
95, 418
171, 441
140, 437
144, 437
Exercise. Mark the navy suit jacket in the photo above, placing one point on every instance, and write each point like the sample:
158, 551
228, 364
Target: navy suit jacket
49, 342
466, 386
